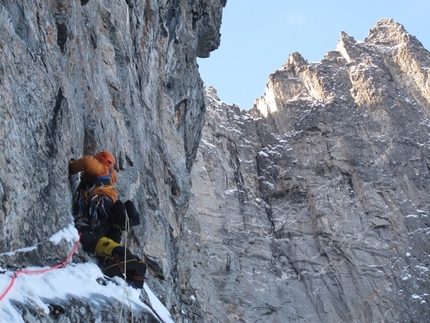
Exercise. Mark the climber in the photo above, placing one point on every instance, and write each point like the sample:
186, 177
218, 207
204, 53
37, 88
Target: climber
101, 217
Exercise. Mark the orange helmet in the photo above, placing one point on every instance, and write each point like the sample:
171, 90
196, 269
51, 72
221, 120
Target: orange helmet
106, 158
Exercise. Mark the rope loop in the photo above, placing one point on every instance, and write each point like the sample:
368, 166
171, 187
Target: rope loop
39, 271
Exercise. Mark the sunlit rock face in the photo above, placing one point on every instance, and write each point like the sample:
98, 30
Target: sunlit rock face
314, 206
77, 77
311, 207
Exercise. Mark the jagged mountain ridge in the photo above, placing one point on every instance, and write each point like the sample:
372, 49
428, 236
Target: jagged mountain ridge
314, 205
79, 76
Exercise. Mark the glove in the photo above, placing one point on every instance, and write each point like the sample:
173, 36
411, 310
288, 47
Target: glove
133, 215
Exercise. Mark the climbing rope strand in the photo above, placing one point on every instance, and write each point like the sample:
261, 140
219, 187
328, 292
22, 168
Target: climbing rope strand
125, 293
38, 271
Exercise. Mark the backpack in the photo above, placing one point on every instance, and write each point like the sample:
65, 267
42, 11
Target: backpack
125, 215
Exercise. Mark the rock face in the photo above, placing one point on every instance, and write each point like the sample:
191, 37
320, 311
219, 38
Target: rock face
311, 207
77, 77
314, 206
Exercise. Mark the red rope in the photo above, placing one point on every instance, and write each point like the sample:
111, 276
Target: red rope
39, 271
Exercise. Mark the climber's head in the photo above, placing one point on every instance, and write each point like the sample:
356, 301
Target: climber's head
106, 158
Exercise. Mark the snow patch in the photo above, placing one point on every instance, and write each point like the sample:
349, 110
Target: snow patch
26, 249
69, 234
77, 281
40, 286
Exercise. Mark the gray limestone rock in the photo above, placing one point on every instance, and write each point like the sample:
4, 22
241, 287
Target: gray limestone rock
311, 207
77, 77
314, 206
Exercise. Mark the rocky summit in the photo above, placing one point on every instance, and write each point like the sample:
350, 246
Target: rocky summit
311, 207
314, 206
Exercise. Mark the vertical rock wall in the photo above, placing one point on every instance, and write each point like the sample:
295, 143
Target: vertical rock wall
314, 206
77, 77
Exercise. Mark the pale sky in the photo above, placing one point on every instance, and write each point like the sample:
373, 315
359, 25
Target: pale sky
258, 36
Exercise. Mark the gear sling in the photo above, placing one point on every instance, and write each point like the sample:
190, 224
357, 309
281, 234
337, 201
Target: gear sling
89, 212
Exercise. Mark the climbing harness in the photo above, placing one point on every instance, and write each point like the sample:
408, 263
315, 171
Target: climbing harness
97, 210
94, 206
